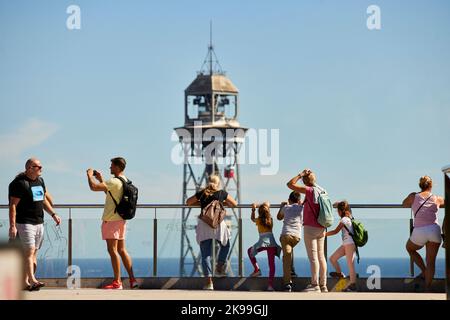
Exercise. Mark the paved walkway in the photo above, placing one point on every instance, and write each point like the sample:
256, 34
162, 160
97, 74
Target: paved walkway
159, 294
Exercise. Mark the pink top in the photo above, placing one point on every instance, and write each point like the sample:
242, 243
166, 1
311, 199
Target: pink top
428, 214
310, 209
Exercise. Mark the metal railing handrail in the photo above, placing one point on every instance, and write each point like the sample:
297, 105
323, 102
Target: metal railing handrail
183, 206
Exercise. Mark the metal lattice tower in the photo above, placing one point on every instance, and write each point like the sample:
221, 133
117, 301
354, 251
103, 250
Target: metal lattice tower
210, 140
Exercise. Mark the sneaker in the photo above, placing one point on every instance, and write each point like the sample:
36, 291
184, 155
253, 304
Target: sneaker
256, 273
288, 287
350, 288
312, 288
323, 289
270, 288
220, 271
114, 285
209, 286
337, 275
134, 284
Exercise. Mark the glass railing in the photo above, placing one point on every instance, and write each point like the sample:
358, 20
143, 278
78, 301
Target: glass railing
154, 243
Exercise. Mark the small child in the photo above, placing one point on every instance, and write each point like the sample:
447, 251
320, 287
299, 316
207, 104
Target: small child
266, 241
292, 216
347, 249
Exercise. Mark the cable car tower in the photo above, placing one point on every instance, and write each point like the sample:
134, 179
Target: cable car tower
210, 139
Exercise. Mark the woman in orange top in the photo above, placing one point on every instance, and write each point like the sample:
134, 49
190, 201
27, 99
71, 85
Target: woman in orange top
266, 241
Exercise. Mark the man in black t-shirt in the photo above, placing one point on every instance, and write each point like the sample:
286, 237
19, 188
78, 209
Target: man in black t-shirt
27, 202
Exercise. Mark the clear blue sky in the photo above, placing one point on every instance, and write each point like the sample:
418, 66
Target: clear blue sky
369, 111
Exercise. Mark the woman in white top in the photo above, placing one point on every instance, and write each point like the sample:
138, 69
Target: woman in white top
426, 232
347, 249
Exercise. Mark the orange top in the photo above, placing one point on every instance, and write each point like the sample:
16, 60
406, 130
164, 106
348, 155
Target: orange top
262, 228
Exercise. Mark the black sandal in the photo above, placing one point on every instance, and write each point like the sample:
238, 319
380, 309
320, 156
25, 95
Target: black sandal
36, 286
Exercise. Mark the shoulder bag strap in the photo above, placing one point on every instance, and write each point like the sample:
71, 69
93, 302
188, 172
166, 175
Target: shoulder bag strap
115, 202
415, 214
351, 235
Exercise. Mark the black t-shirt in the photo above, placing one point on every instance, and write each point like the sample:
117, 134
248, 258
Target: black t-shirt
30, 209
220, 195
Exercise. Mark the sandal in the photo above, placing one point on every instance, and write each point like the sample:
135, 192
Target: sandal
36, 286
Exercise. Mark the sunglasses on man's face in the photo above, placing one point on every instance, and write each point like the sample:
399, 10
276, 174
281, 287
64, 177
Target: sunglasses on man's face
39, 167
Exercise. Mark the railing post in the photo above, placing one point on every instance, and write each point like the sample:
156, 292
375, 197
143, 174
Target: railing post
411, 261
69, 256
155, 246
446, 228
240, 263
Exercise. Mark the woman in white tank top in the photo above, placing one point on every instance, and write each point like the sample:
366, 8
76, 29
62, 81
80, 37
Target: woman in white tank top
426, 232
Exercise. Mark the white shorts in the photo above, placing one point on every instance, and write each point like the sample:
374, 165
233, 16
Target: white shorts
31, 236
421, 235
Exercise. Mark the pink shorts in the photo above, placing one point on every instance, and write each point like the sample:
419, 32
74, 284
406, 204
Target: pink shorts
113, 230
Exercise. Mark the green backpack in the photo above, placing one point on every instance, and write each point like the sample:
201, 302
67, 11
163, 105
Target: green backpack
360, 234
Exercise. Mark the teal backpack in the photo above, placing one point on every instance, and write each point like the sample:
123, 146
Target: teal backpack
325, 218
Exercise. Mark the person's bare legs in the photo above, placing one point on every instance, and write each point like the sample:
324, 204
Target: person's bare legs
339, 253
29, 268
412, 250
35, 261
126, 259
432, 249
115, 258
350, 250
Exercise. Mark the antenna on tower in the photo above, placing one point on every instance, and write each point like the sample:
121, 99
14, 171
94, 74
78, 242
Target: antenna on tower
210, 48
211, 60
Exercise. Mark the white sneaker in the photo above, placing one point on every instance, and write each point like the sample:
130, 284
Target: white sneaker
209, 286
270, 288
323, 289
311, 288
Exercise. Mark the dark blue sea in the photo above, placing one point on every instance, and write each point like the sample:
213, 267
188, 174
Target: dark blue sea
170, 267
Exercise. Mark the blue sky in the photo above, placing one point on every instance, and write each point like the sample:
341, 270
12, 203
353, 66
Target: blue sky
367, 110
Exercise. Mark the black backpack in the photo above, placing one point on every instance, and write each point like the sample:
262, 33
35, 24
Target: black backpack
126, 208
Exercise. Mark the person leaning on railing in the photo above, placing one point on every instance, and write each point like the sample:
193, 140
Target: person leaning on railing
426, 232
205, 234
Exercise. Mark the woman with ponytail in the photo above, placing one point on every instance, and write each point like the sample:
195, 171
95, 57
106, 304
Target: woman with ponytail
347, 249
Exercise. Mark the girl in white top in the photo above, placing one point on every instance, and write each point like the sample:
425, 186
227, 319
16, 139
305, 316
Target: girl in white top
347, 249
